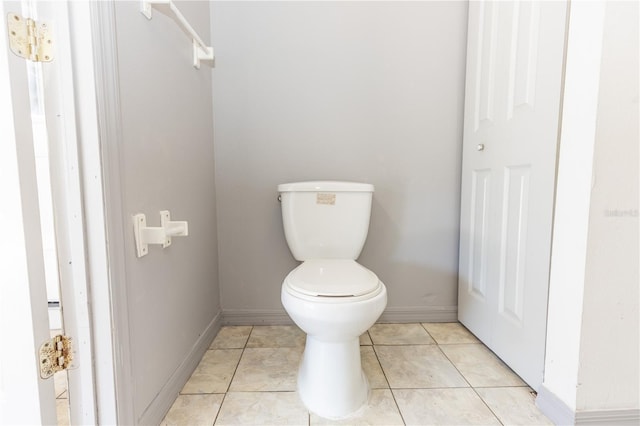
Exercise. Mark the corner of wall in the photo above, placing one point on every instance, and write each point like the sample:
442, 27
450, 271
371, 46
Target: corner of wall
554, 408
167, 395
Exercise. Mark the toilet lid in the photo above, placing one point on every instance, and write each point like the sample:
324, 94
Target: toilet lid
332, 278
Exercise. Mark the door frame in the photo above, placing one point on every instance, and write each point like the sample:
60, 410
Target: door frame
97, 109
100, 93
69, 218
88, 259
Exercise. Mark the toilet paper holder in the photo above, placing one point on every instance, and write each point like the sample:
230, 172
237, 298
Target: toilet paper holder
145, 235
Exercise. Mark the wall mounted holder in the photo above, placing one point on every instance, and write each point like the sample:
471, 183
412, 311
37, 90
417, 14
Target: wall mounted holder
145, 235
201, 52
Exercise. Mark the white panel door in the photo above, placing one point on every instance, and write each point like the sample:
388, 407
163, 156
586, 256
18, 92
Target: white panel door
515, 57
24, 397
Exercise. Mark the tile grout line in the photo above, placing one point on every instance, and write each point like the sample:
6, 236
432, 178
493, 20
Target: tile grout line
471, 386
215, 418
235, 370
437, 344
487, 405
224, 396
386, 379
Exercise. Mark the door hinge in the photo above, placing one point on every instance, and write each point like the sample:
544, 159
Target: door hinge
55, 355
30, 39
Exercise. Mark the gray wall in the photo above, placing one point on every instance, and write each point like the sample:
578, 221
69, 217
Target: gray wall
166, 163
363, 91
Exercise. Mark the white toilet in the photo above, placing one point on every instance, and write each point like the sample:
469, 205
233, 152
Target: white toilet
330, 296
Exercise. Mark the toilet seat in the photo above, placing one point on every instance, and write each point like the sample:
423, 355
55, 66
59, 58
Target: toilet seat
333, 278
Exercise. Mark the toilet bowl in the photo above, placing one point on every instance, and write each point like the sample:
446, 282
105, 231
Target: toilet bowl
330, 296
331, 382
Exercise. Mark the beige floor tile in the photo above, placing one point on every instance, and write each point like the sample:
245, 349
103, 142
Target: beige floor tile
480, 366
456, 406
381, 409
62, 412
231, 337
418, 366
365, 339
214, 372
399, 334
514, 406
193, 410
267, 369
262, 408
276, 336
445, 333
372, 369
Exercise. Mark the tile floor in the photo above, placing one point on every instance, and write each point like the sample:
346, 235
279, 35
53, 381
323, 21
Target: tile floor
420, 374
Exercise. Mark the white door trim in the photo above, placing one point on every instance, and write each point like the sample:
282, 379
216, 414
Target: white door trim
106, 89
67, 195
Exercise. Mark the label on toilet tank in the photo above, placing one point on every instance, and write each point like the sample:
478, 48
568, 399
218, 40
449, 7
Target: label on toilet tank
325, 198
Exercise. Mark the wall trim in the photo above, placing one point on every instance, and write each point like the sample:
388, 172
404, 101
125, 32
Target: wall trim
390, 315
255, 317
554, 408
105, 57
560, 413
420, 314
609, 417
161, 404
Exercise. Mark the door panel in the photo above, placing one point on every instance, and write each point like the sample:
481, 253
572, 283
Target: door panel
24, 397
515, 57
478, 232
514, 240
523, 55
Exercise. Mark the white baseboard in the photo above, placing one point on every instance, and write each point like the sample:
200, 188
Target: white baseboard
560, 414
626, 417
161, 404
390, 315
420, 314
255, 317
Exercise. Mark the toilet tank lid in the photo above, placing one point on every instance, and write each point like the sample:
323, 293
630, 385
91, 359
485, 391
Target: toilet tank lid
325, 185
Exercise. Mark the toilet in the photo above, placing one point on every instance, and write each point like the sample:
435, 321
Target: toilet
331, 297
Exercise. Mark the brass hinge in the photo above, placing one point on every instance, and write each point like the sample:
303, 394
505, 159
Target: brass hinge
55, 355
30, 39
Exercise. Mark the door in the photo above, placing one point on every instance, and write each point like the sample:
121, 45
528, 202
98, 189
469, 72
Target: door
515, 55
24, 397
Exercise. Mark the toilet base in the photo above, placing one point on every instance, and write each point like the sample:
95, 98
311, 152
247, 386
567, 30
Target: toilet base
331, 382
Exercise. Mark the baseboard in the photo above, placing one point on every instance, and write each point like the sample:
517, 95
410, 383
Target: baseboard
390, 315
554, 408
255, 317
161, 404
609, 417
560, 414
420, 314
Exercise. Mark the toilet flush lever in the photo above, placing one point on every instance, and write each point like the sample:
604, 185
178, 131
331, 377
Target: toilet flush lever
145, 235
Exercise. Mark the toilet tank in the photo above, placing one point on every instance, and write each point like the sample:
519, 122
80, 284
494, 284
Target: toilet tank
326, 219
